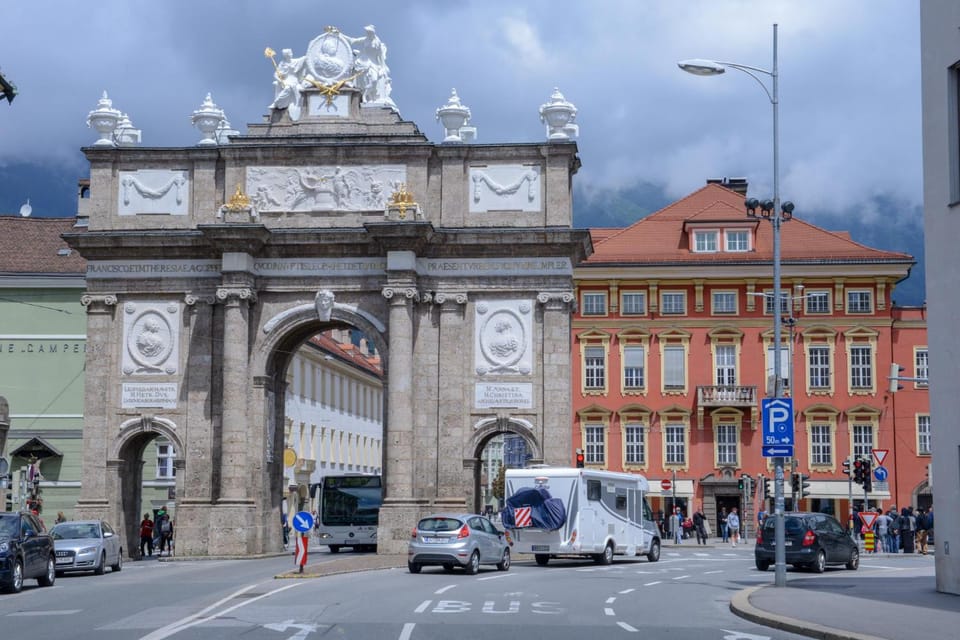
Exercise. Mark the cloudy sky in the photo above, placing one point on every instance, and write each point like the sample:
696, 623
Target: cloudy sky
850, 88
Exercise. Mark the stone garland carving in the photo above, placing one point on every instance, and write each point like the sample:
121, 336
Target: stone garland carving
504, 341
151, 333
323, 188
513, 187
130, 186
530, 177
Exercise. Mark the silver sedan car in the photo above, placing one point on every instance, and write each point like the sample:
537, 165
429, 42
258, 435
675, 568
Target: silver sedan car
464, 540
86, 545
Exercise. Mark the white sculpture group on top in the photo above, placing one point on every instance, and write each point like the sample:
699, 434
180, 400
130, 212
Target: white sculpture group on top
333, 58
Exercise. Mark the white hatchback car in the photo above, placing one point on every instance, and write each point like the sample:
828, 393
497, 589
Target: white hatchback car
86, 545
464, 540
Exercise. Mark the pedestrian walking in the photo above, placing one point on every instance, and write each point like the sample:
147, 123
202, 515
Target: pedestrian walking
908, 531
677, 522
893, 535
699, 522
146, 535
724, 529
733, 524
165, 526
60, 518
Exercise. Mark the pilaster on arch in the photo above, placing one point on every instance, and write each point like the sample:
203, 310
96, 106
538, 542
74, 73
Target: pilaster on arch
486, 428
146, 423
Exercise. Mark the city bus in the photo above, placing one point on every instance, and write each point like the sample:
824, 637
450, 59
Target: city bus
348, 512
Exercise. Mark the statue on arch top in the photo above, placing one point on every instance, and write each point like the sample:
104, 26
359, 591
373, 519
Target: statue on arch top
371, 63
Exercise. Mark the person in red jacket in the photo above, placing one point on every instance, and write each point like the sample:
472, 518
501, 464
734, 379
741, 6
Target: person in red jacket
146, 534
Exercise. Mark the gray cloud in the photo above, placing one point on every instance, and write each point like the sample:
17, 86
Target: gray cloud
850, 94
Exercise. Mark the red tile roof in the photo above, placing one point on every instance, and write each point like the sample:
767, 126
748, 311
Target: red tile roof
661, 237
33, 246
348, 352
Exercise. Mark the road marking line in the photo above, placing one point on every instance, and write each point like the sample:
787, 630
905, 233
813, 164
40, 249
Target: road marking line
407, 631
423, 606
625, 626
446, 588
611, 600
650, 584
625, 591
680, 577
502, 575
60, 612
607, 611
706, 573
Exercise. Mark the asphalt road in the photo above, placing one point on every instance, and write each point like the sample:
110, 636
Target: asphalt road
684, 596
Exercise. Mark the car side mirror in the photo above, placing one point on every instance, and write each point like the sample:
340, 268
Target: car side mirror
107, 534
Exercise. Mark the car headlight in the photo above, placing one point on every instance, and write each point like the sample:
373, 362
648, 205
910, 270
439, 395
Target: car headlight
86, 550
4, 547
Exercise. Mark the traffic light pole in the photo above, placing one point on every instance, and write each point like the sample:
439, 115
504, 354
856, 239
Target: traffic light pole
853, 524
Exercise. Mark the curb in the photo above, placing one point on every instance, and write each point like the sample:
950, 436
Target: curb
740, 606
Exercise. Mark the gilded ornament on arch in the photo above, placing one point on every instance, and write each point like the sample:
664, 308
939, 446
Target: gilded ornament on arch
401, 200
239, 201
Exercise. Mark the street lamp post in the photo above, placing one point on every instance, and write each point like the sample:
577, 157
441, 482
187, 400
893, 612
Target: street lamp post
776, 215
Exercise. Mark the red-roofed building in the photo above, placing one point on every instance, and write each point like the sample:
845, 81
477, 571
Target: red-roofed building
673, 352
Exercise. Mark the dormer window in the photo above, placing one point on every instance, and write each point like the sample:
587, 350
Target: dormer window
705, 241
738, 241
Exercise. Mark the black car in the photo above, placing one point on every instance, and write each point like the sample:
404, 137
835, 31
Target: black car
811, 540
26, 551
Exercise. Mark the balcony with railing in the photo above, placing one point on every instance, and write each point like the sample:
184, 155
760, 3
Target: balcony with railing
727, 396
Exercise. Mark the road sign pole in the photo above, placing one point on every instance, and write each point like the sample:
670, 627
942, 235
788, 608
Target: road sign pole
780, 552
853, 524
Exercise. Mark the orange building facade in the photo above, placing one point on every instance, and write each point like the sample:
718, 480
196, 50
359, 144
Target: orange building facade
673, 351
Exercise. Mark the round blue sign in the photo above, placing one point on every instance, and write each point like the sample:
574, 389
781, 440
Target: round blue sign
303, 521
880, 473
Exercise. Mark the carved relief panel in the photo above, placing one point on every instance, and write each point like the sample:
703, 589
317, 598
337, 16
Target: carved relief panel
154, 191
343, 188
151, 335
504, 337
505, 187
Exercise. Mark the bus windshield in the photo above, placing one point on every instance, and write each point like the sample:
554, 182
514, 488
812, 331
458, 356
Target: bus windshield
350, 500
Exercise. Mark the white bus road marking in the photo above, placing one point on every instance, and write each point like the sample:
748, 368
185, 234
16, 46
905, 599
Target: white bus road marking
303, 629
195, 619
407, 631
625, 591
611, 600
706, 573
442, 589
650, 584
607, 611
423, 606
681, 577
626, 627
495, 577
55, 612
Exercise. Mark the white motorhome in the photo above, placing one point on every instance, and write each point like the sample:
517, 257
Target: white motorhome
606, 514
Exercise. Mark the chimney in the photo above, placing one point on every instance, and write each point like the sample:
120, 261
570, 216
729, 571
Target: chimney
738, 185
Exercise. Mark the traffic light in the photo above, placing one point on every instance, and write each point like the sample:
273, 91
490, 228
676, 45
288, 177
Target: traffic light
803, 485
753, 486
846, 467
895, 371
795, 483
768, 488
580, 458
858, 471
6, 492
744, 484
867, 475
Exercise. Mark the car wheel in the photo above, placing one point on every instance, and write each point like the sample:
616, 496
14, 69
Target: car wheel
474, 565
504, 564
334, 548
15, 585
607, 556
820, 563
762, 565
119, 565
447, 567
654, 554
542, 559
50, 575
413, 567
102, 565
854, 561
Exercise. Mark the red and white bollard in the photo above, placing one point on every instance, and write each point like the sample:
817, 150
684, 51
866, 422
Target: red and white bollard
301, 555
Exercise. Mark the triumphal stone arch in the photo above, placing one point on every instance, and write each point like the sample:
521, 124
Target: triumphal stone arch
209, 265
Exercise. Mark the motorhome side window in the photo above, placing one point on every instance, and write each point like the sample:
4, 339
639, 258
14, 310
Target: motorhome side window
647, 513
621, 500
593, 490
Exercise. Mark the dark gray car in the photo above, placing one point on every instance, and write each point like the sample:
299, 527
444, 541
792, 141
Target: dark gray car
458, 540
812, 540
26, 551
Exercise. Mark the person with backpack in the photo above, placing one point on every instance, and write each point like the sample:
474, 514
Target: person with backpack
165, 526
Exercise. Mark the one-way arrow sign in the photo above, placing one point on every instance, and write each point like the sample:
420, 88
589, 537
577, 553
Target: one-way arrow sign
778, 452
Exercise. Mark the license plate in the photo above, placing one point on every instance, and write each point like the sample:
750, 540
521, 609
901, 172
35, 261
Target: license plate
64, 560
788, 543
434, 540
540, 547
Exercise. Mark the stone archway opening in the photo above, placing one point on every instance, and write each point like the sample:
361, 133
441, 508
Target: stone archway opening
500, 444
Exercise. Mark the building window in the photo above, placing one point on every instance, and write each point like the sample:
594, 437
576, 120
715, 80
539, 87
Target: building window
724, 302
859, 301
676, 448
595, 304
784, 303
863, 441
165, 457
819, 359
595, 452
784, 367
595, 367
817, 301
636, 446
821, 449
705, 241
921, 366
861, 367
923, 435
726, 365
738, 241
633, 357
634, 304
674, 375
726, 444
673, 303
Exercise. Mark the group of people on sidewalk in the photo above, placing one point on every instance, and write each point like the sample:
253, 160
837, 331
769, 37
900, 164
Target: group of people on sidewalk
680, 527
157, 534
908, 530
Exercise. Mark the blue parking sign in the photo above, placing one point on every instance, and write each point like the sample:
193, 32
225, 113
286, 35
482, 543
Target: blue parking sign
777, 427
